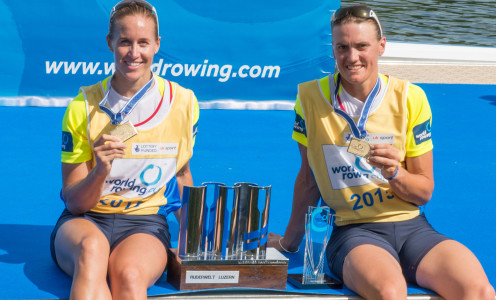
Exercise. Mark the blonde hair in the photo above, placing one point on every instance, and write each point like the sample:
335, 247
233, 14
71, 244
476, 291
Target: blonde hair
132, 9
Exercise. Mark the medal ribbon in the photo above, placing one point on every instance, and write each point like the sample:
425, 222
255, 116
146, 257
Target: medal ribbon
158, 107
131, 104
358, 130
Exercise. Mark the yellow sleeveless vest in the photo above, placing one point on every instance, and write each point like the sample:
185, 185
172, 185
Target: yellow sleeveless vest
356, 191
137, 182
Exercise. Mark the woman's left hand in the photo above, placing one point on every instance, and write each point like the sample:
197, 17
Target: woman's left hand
385, 157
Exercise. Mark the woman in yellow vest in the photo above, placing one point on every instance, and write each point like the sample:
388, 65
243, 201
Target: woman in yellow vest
366, 149
126, 145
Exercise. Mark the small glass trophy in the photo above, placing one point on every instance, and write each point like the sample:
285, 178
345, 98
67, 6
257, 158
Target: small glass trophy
318, 228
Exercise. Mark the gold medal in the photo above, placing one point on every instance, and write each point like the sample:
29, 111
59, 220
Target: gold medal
359, 147
124, 131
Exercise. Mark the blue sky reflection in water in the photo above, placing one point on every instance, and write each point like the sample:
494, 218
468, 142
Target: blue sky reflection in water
470, 23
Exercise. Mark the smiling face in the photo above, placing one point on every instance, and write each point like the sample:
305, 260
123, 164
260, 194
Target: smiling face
356, 50
134, 43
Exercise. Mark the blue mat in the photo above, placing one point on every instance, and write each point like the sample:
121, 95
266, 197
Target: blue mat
242, 146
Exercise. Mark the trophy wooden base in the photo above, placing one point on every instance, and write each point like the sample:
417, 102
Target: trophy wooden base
269, 273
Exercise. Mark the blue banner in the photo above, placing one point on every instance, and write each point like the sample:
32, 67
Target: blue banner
255, 50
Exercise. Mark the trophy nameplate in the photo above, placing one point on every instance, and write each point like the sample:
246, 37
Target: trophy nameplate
359, 147
124, 131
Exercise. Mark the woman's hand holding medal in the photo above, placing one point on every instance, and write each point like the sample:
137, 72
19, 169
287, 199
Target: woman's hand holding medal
106, 149
386, 157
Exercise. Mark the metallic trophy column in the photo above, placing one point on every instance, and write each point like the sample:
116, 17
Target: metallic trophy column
241, 208
224, 243
191, 223
257, 219
209, 218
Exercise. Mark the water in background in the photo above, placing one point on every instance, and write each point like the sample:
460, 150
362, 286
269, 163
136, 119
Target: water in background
458, 22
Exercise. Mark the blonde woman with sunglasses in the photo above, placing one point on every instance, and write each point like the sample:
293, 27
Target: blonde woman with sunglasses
126, 145
366, 149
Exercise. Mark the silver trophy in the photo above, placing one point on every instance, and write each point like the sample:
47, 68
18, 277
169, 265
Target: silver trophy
224, 223
191, 223
223, 234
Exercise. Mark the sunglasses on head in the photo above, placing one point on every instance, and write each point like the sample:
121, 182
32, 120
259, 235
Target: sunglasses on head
141, 3
358, 11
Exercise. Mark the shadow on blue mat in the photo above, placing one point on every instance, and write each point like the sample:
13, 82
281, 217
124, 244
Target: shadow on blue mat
491, 98
29, 245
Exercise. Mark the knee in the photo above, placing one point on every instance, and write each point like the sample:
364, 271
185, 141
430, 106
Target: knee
392, 290
128, 279
93, 250
128, 275
482, 291
474, 289
384, 289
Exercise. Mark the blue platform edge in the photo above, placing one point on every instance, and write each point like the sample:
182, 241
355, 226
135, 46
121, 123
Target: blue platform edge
242, 146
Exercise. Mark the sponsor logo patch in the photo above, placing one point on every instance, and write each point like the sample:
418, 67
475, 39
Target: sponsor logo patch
131, 178
422, 132
155, 148
372, 138
299, 125
67, 143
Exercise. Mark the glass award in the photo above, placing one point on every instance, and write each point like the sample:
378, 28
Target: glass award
318, 228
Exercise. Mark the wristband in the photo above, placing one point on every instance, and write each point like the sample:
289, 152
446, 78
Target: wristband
395, 174
284, 249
